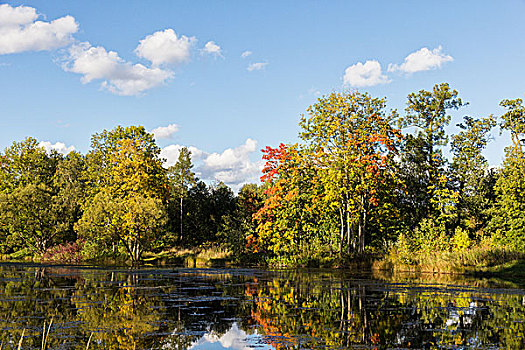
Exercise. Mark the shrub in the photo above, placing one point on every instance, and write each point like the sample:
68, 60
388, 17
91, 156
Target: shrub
431, 237
68, 252
461, 240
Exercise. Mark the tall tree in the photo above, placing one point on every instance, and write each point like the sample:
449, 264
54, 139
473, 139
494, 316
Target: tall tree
32, 213
427, 111
128, 193
514, 121
289, 224
181, 179
470, 169
354, 145
508, 221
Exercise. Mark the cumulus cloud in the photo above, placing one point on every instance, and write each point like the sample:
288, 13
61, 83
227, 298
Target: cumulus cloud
232, 166
231, 157
171, 154
363, 75
422, 60
164, 47
60, 147
165, 132
246, 54
212, 48
21, 31
118, 76
257, 66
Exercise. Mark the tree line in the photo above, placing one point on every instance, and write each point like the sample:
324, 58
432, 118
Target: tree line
118, 199
366, 180
363, 179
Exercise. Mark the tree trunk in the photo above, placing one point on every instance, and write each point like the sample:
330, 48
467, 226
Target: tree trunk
363, 233
181, 216
348, 230
362, 227
341, 237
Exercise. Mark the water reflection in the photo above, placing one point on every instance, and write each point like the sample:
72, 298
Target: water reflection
234, 338
243, 309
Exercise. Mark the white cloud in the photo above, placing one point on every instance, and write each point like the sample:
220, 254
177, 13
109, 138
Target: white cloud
367, 74
257, 66
231, 157
165, 132
212, 49
233, 166
164, 47
118, 76
422, 60
171, 154
246, 54
21, 31
60, 147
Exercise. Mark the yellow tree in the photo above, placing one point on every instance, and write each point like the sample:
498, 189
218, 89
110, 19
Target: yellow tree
354, 145
129, 209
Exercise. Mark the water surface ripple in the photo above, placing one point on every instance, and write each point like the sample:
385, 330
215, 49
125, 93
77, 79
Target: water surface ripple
181, 308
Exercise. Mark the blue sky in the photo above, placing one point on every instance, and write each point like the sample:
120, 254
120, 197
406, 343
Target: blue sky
93, 65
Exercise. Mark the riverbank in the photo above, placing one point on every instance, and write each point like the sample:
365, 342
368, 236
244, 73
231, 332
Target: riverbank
478, 261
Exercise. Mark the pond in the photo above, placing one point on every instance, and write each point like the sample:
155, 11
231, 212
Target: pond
181, 308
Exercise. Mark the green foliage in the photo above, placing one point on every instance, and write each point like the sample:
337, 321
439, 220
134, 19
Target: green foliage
508, 221
238, 225
469, 168
461, 240
431, 237
127, 190
180, 179
352, 145
353, 185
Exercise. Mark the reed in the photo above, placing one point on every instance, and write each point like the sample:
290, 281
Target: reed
21, 338
45, 334
89, 341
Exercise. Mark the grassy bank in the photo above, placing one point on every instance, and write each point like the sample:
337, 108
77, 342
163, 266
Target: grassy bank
202, 256
477, 261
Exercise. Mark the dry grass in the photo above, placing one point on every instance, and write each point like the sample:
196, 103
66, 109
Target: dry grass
478, 258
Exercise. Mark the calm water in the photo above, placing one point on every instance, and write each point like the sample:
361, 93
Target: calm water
176, 308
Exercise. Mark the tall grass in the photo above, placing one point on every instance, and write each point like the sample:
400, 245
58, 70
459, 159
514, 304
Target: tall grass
476, 258
45, 336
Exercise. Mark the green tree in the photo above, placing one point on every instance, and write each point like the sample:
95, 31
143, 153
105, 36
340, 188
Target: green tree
31, 207
427, 111
354, 144
104, 146
26, 163
238, 225
129, 192
70, 185
181, 179
429, 191
470, 168
134, 222
508, 221
26, 214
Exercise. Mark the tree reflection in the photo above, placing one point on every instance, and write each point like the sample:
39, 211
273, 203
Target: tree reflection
180, 309
309, 311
